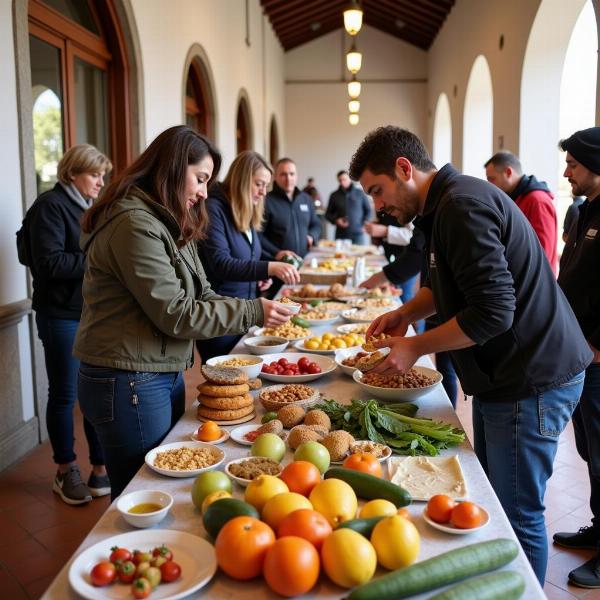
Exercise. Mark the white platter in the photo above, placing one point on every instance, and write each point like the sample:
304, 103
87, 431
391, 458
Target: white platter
351, 328
449, 528
224, 436
320, 322
194, 555
327, 366
400, 394
237, 434
150, 457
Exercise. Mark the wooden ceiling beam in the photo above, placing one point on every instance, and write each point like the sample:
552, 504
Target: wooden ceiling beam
323, 15
426, 28
305, 28
406, 33
405, 8
302, 38
292, 8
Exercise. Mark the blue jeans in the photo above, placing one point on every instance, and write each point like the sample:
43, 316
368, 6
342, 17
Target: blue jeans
57, 337
444, 364
586, 422
516, 442
131, 412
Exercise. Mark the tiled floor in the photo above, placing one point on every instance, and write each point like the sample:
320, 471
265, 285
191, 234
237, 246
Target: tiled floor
38, 532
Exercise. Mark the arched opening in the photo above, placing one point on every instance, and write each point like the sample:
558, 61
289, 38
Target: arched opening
273, 141
199, 102
78, 51
478, 119
442, 132
243, 125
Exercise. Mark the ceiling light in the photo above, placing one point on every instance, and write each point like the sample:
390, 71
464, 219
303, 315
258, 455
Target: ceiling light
353, 16
354, 88
353, 118
354, 59
354, 106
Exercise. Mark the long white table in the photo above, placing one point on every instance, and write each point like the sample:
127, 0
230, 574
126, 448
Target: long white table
185, 517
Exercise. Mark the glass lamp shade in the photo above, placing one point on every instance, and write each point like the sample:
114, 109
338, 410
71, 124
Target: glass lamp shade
354, 106
353, 19
354, 89
353, 118
354, 60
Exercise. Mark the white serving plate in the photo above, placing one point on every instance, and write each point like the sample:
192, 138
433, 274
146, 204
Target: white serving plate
251, 370
299, 345
400, 394
237, 434
350, 328
364, 315
194, 555
320, 322
327, 366
224, 436
449, 528
151, 455
261, 332
240, 480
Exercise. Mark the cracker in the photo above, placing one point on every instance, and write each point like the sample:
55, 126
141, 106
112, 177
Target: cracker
255, 384
223, 391
224, 375
224, 415
232, 403
366, 363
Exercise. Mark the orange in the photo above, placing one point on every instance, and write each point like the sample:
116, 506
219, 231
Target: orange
466, 515
241, 547
281, 505
209, 432
307, 524
301, 477
365, 462
439, 508
291, 566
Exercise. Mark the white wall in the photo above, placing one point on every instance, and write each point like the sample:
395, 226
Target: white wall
318, 135
166, 33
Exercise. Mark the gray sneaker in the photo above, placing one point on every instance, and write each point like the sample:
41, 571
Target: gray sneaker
99, 485
70, 487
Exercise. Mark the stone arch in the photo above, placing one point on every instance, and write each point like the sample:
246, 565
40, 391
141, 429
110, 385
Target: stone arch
442, 132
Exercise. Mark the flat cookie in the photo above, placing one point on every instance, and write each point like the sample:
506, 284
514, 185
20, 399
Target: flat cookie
232, 403
224, 375
223, 391
255, 384
366, 363
224, 415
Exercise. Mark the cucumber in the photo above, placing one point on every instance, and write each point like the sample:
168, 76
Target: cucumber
505, 585
362, 526
300, 322
441, 570
370, 487
315, 302
221, 511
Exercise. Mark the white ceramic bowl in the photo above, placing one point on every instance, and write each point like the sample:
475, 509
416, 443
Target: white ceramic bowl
400, 394
151, 456
252, 343
128, 501
251, 370
293, 309
344, 353
240, 480
327, 366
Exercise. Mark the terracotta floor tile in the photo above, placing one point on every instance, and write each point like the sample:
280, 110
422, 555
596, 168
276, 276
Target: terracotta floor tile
36, 588
12, 532
561, 564
28, 570
61, 534
555, 593
21, 549
38, 516
11, 497
10, 588
592, 595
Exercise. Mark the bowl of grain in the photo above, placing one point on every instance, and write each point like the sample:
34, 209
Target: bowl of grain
184, 459
413, 384
244, 470
250, 364
275, 397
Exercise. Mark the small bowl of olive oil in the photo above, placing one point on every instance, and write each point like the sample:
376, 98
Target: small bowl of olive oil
144, 508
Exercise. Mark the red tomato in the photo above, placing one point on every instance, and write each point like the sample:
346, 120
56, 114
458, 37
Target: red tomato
126, 571
288, 372
163, 551
314, 368
283, 362
170, 571
103, 573
303, 363
273, 364
121, 554
141, 588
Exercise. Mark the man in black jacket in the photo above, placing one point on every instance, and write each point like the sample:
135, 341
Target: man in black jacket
291, 222
579, 279
514, 339
348, 209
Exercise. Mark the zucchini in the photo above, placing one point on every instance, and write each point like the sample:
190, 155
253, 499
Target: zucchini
300, 322
370, 487
363, 526
316, 302
438, 571
505, 585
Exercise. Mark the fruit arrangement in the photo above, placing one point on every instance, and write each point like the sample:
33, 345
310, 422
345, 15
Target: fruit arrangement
142, 570
304, 366
331, 341
462, 515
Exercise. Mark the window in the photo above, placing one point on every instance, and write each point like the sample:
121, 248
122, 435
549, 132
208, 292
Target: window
273, 141
199, 112
243, 128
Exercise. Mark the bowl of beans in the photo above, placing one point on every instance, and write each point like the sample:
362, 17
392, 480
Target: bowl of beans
250, 364
399, 387
278, 396
184, 459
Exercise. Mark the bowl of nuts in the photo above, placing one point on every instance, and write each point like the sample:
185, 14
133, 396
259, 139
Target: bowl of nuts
399, 387
248, 363
275, 397
244, 470
184, 459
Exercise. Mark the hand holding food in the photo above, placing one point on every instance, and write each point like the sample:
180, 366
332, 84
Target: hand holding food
401, 358
275, 313
284, 271
392, 322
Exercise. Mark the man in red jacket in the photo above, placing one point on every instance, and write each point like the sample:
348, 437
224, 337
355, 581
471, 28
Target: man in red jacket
532, 196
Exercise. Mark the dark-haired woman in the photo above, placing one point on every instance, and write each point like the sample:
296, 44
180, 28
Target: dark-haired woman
146, 298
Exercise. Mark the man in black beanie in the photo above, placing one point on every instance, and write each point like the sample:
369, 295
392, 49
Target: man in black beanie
579, 279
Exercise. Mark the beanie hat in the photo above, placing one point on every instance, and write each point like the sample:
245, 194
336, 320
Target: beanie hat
584, 147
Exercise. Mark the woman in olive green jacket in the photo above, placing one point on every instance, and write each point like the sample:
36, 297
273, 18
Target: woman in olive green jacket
146, 298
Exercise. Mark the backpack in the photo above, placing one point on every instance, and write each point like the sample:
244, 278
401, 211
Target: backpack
23, 245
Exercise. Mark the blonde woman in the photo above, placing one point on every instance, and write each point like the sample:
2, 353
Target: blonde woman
57, 268
231, 253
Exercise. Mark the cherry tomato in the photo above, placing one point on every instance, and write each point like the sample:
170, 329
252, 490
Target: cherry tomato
163, 551
264, 369
280, 370
273, 364
153, 575
126, 571
283, 362
103, 573
288, 372
141, 588
139, 556
314, 368
121, 554
303, 363
170, 571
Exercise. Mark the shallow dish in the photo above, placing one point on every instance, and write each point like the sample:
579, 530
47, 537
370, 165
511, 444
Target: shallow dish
400, 394
241, 480
252, 343
327, 366
364, 315
360, 328
261, 333
299, 345
251, 370
381, 459
274, 405
151, 456
449, 528
321, 322
237, 434
194, 555
128, 501
224, 436
342, 354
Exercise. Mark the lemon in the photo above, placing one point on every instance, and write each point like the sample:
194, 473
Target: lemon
263, 488
348, 558
312, 345
378, 508
396, 541
349, 340
315, 340
213, 497
337, 343
335, 500
323, 347
281, 505
328, 336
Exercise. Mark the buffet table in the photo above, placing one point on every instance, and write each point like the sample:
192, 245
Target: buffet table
185, 517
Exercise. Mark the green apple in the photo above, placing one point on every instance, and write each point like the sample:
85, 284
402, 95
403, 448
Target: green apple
208, 482
314, 453
269, 445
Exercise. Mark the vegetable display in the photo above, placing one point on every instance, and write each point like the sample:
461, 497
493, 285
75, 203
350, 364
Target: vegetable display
394, 425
